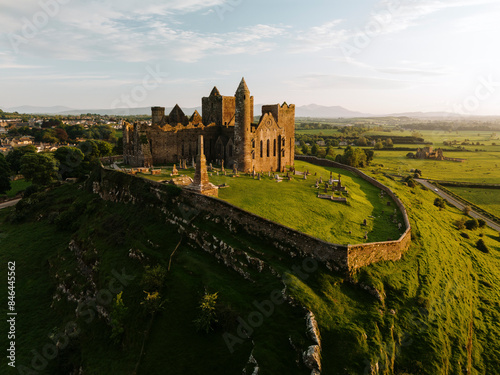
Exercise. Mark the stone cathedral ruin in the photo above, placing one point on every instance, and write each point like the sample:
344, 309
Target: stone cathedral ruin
227, 126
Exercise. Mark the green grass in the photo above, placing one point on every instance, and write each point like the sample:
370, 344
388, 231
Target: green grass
16, 187
421, 326
295, 204
479, 167
487, 199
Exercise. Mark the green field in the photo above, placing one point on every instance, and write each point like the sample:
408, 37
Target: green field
295, 204
487, 199
479, 167
16, 187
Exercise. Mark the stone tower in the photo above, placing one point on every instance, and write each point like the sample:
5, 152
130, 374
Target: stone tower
201, 184
158, 114
242, 128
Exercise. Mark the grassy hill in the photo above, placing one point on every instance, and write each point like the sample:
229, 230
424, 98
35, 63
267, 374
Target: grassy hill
434, 312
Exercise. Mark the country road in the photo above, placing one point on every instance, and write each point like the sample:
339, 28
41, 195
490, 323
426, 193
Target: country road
457, 203
9, 203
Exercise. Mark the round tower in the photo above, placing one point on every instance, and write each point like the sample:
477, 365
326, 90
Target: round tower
242, 128
158, 114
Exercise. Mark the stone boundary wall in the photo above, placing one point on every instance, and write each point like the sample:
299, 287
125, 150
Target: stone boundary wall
339, 257
368, 253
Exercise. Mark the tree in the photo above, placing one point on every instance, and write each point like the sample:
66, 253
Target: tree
362, 142
105, 148
388, 143
41, 169
70, 161
481, 223
355, 157
4, 175
370, 154
62, 135
379, 145
14, 157
314, 149
305, 149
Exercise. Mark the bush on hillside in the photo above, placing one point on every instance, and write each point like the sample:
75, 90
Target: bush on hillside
482, 246
472, 224
440, 202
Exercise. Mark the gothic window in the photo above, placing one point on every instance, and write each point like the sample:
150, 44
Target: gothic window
274, 148
261, 149
253, 143
253, 154
268, 148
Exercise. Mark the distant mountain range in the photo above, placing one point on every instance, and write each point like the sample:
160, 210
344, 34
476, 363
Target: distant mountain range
311, 111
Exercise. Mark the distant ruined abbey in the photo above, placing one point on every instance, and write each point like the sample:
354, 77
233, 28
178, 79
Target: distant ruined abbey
229, 133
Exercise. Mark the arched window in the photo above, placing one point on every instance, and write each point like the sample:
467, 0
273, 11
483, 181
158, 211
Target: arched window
261, 148
268, 148
274, 148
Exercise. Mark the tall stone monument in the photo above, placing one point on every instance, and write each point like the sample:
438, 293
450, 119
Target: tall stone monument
201, 184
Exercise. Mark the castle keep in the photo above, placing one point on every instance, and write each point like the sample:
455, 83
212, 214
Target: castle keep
227, 127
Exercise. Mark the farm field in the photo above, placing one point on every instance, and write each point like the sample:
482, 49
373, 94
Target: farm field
487, 199
324, 219
479, 167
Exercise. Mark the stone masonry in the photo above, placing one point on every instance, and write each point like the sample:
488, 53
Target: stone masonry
227, 126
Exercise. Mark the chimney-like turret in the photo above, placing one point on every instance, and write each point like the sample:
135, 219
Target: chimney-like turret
242, 128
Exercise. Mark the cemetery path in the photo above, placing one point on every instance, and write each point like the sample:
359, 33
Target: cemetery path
457, 203
9, 203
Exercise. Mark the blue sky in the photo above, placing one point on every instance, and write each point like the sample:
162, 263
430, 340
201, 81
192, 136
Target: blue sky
375, 56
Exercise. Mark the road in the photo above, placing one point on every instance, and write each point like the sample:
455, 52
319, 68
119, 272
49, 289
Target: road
457, 203
9, 203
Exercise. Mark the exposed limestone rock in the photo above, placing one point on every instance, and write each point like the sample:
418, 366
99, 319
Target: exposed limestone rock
312, 358
312, 328
252, 362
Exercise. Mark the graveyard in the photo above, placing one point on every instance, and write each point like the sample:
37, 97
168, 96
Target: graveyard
353, 212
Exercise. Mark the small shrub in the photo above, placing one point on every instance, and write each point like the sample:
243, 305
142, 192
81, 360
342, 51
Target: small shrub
153, 277
117, 317
30, 190
208, 315
482, 246
153, 302
460, 224
440, 202
472, 224
465, 235
466, 210
481, 223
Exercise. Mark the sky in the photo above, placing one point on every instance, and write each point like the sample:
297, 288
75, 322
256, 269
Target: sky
373, 56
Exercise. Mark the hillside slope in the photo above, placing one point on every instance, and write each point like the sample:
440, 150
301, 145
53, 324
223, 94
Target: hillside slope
434, 312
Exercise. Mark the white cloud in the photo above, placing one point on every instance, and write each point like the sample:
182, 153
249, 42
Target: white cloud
345, 82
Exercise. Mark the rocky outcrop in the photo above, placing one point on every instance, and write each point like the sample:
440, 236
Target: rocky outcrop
312, 356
